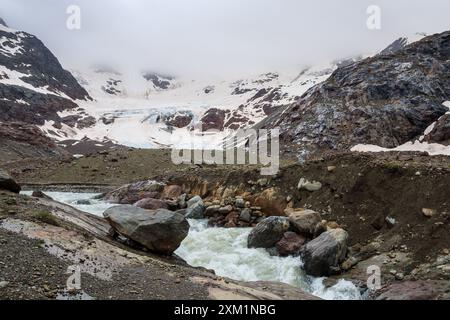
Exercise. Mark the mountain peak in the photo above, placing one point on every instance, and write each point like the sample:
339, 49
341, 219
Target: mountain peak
3, 23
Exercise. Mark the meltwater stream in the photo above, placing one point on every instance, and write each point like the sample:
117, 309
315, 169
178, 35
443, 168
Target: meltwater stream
225, 251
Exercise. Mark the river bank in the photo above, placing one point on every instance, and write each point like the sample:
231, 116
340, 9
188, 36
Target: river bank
379, 199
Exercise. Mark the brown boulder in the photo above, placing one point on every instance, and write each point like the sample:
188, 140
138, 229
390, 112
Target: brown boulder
290, 244
305, 222
271, 202
151, 204
172, 192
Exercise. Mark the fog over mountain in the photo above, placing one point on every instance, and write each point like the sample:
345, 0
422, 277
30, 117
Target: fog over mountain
222, 36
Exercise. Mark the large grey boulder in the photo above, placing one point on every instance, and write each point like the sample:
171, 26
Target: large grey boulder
323, 255
161, 231
268, 232
8, 183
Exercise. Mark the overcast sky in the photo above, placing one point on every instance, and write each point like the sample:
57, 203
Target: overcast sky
220, 36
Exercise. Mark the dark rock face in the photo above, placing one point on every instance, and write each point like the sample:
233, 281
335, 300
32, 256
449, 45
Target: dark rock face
8, 183
268, 232
385, 100
43, 69
441, 131
3, 23
180, 120
213, 119
160, 81
323, 255
24, 53
160, 231
395, 46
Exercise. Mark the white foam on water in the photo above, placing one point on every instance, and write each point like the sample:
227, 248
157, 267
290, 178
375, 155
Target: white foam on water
225, 251
95, 207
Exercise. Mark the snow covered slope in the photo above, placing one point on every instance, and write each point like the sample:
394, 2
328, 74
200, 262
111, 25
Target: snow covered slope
150, 110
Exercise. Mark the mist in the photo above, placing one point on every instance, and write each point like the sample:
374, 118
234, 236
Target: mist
220, 37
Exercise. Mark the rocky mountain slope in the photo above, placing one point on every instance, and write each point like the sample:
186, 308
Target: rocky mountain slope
33, 85
385, 100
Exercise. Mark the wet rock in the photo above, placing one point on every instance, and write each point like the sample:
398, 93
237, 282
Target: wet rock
151, 204
305, 222
41, 195
268, 232
212, 210
84, 202
310, 186
240, 203
182, 201
160, 231
245, 215
196, 211
194, 200
8, 183
290, 244
323, 255
225, 210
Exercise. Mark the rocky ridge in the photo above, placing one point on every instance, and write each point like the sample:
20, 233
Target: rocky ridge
386, 100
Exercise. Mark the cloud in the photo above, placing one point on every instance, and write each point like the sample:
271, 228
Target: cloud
220, 37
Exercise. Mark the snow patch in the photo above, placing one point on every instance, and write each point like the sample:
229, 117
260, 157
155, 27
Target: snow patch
419, 145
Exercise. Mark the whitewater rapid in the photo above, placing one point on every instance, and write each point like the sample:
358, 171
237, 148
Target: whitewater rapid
225, 251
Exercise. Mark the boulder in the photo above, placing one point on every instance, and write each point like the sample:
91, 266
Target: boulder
172, 192
310, 186
268, 232
160, 231
131, 193
40, 194
290, 244
212, 210
83, 202
196, 211
194, 200
305, 222
245, 215
225, 210
272, 203
8, 183
151, 204
323, 255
